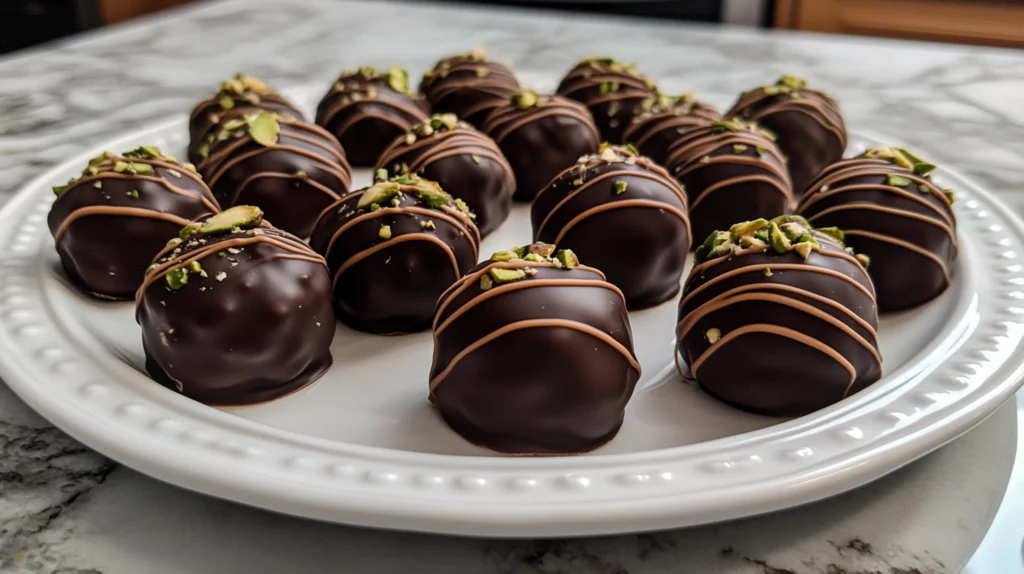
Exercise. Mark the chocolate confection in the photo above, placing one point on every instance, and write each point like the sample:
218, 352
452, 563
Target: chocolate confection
466, 163
807, 122
469, 86
612, 91
732, 171
367, 109
108, 223
235, 311
566, 331
540, 136
889, 207
240, 96
623, 214
662, 119
392, 249
289, 168
779, 319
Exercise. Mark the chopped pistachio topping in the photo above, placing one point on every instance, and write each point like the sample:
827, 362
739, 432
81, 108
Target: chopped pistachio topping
620, 187
608, 87
507, 255
177, 278
903, 158
378, 193
475, 158
739, 148
263, 129
464, 208
567, 258
680, 105
398, 79
540, 248
786, 85
533, 257
863, 259
740, 125
713, 335
385, 232
238, 217
486, 282
134, 194
434, 198
767, 272
501, 276
524, 99
380, 175
897, 180
834, 233
478, 54
98, 185
782, 234
950, 194
189, 230
438, 123
226, 102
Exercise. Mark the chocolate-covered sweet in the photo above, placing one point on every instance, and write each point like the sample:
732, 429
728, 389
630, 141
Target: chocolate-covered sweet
779, 319
662, 119
367, 109
466, 163
889, 207
731, 171
109, 222
289, 168
810, 129
613, 92
623, 214
533, 354
239, 96
235, 311
468, 85
540, 136
392, 249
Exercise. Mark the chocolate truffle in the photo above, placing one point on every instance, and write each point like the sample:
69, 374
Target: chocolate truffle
108, 223
236, 312
469, 86
464, 162
662, 119
540, 136
732, 171
613, 92
392, 249
367, 109
289, 168
810, 129
889, 207
533, 354
623, 214
240, 96
779, 319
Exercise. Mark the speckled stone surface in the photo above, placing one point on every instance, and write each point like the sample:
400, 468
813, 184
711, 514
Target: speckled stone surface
65, 509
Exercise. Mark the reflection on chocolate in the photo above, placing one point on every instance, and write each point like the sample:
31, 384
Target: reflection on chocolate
466, 163
109, 222
235, 311
533, 354
289, 168
662, 120
611, 90
392, 249
469, 86
890, 209
779, 319
732, 171
624, 215
540, 136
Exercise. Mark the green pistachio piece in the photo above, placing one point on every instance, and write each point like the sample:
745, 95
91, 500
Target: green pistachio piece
746, 228
378, 193
189, 230
739, 148
767, 272
504, 255
780, 243
121, 166
134, 194
524, 99
139, 168
863, 259
486, 282
240, 216
177, 278
897, 180
519, 251
534, 258
834, 233
434, 198
923, 168
264, 129
502, 276
398, 79
950, 194
381, 174
385, 232
620, 187
793, 82
542, 249
226, 102
713, 335
567, 258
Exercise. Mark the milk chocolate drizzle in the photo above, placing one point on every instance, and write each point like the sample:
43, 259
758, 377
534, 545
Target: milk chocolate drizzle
470, 86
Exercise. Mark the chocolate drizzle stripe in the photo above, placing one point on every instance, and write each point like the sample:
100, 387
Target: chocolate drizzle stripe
452, 143
208, 201
506, 123
821, 237
536, 324
400, 123
496, 89
392, 242
327, 166
215, 102
854, 206
729, 182
696, 163
814, 107
275, 175
483, 105
813, 197
115, 211
904, 244
660, 122
370, 215
322, 142
759, 268
621, 204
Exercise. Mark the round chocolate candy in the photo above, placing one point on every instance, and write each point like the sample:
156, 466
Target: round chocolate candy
779, 319
464, 162
108, 223
889, 208
613, 92
810, 129
566, 331
236, 312
237, 97
289, 168
662, 120
469, 86
367, 109
732, 171
540, 136
623, 214
392, 249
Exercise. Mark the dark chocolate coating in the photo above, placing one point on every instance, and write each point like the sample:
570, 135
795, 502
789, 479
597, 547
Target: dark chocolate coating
541, 141
809, 126
366, 114
551, 388
613, 92
662, 121
389, 286
107, 236
469, 86
639, 238
909, 234
292, 181
466, 163
257, 327
800, 324
736, 183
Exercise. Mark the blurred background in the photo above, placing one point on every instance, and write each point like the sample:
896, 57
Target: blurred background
25, 23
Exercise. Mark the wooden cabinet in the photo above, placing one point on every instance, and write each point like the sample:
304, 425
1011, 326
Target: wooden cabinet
113, 11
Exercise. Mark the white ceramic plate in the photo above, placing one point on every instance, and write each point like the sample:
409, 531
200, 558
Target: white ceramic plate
363, 446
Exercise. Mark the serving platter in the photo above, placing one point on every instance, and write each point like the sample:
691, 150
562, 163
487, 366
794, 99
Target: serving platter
363, 445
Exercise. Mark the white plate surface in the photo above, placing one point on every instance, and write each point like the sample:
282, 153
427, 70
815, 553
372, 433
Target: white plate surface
363, 446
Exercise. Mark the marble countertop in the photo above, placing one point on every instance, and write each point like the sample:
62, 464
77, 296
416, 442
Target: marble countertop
65, 509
